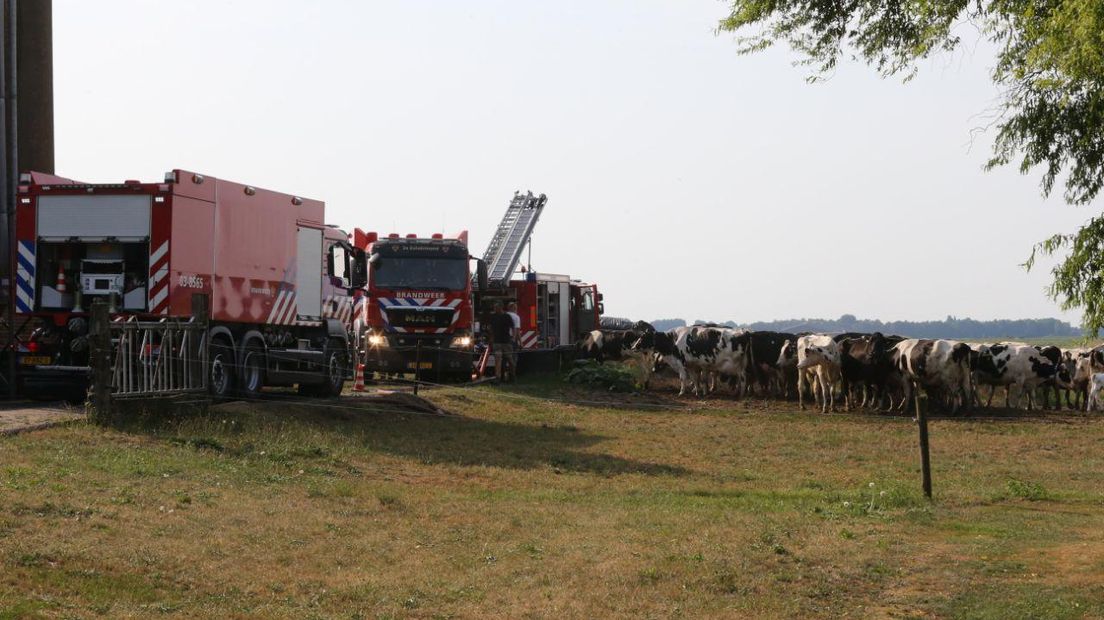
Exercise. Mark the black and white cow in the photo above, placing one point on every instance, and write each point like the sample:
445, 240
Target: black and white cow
818, 360
606, 344
699, 354
865, 363
1081, 364
1096, 389
937, 366
764, 369
1054, 384
1018, 366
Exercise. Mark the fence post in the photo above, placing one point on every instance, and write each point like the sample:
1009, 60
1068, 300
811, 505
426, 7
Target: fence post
417, 364
925, 459
99, 331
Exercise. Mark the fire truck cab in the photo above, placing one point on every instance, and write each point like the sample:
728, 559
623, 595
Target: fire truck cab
416, 316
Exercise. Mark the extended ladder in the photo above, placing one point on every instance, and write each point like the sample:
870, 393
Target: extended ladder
504, 251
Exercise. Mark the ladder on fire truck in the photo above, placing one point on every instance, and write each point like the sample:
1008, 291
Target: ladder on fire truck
504, 251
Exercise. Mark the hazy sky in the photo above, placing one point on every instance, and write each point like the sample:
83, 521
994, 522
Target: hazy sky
685, 179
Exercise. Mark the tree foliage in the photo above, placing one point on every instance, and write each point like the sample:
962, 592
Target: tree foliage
1049, 66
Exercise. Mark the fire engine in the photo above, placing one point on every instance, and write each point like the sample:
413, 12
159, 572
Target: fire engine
280, 282
555, 310
417, 313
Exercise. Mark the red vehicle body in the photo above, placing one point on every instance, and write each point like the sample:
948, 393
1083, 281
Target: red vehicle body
555, 310
417, 313
555, 313
278, 279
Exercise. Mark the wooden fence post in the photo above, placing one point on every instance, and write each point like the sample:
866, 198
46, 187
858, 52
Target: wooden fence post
99, 331
925, 459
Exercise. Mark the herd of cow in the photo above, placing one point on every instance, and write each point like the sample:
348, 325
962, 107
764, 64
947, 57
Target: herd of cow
864, 370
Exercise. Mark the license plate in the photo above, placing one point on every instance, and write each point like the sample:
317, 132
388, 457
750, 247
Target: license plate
422, 365
36, 360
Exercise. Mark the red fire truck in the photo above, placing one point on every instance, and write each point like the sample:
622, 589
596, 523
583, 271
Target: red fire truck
417, 314
279, 280
555, 310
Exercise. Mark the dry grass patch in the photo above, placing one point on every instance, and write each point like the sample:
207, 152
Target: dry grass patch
525, 506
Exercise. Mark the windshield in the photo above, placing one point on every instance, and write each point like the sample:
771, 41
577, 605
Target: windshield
448, 274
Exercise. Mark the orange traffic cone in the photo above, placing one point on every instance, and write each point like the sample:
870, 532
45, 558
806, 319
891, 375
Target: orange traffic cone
61, 279
358, 378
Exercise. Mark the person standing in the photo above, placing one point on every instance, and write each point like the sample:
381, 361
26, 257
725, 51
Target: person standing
502, 342
511, 309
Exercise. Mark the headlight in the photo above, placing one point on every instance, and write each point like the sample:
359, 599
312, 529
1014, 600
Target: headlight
462, 342
377, 340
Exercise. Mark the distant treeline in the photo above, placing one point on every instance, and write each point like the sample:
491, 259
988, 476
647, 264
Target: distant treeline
951, 327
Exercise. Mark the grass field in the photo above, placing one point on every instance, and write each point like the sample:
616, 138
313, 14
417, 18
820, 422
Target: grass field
614, 506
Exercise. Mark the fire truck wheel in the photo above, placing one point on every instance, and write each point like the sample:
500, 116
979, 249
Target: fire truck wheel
335, 369
253, 365
221, 379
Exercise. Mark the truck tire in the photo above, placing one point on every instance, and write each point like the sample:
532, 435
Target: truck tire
220, 378
252, 371
336, 367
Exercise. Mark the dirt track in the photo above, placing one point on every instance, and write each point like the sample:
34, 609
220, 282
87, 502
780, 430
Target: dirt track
25, 416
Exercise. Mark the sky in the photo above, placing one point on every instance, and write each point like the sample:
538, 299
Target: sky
685, 179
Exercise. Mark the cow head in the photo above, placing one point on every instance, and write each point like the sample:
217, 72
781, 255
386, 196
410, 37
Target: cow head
1063, 375
641, 341
1083, 367
788, 354
1096, 357
813, 356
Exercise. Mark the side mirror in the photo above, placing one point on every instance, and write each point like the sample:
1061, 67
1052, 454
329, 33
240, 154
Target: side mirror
601, 308
481, 274
358, 269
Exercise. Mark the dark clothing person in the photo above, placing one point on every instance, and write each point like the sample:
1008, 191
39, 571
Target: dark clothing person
502, 327
502, 344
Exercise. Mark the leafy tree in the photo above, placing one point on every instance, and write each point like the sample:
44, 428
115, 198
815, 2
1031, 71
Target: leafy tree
1049, 65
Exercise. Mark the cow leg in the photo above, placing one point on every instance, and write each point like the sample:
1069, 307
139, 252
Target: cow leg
683, 379
826, 398
904, 385
801, 389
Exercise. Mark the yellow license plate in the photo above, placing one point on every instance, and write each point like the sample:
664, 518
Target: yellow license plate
422, 365
36, 360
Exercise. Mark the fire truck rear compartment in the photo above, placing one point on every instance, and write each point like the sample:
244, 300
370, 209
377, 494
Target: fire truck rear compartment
117, 272
92, 246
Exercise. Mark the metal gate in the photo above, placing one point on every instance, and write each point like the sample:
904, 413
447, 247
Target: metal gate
134, 360
158, 358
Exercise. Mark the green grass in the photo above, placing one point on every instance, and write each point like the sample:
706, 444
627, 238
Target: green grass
523, 505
